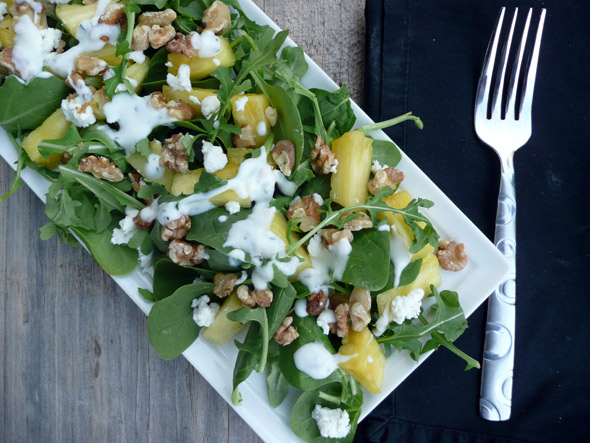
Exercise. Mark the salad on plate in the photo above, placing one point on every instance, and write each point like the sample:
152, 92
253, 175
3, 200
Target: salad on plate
179, 140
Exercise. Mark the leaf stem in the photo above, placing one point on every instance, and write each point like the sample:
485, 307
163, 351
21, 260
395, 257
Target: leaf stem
392, 122
20, 164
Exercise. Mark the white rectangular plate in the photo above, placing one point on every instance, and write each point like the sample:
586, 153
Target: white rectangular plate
486, 269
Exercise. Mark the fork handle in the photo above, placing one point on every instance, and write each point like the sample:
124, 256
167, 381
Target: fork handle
498, 361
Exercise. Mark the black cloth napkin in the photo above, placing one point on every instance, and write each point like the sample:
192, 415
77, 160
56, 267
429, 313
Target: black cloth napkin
426, 57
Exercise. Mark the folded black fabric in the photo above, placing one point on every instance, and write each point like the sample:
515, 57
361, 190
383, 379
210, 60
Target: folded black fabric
426, 57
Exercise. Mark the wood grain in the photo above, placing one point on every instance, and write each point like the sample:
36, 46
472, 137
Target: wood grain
74, 357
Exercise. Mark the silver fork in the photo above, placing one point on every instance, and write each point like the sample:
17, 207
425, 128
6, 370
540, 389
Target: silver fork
505, 132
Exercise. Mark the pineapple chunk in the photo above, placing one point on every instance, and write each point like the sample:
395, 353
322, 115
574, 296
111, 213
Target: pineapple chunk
138, 72
54, 127
201, 67
72, 15
185, 184
138, 161
7, 32
400, 200
429, 275
222, 329
107, 53
199, 94
368, 365
349, 183
279, 228
237, 155
252, 113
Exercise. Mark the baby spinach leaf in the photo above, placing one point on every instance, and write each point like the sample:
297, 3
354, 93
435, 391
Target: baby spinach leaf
386, 153
26, 106
171, 328
368, 246
248, 356
219, 262
410, 273
147, 294
114, 259
282, 303
168, 277
335, 107
208, 182
320, 184
293, 66
157, 3
277, 384
208, 230
258, 315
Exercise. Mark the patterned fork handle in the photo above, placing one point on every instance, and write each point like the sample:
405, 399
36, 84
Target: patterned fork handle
496, 387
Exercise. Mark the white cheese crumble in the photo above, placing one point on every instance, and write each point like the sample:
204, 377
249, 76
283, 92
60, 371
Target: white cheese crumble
137, 56
127, 227
232, 207
334, 168
204, 312
376, 167
407, 307
318, 198
332, 423
145, 263
78, 112
216, 61
240, 104
3, 9
214, 158
182, 80
209, 45
209, 106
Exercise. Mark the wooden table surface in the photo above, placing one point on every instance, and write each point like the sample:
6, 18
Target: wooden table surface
74, 355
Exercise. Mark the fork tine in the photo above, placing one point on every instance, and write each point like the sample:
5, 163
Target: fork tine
514, 78
529, 85
497, 95
483, 87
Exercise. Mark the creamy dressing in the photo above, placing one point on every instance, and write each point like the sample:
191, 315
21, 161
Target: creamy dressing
399, 254
209, 45
316, 361
222, 218
148, 214
135, 117
326, 317
327, 264
261, 129
153, 169
301, 307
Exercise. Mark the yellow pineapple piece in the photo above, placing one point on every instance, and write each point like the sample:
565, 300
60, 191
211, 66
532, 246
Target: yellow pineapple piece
400, 200
138, 161
54, 127
138, 72
198, 94
369, 363
222, 329
185, 184
201, 67
429, 275
237, 155
107, 53
279, 228
248, 109
6, 32
349, 183
72, 15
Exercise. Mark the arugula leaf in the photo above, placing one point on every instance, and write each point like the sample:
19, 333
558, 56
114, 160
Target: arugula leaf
26, 106
171, 328
20, 164
277, 384
335, 107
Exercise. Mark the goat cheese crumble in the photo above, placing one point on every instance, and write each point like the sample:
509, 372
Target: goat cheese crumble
3, 9
240, 104
332, 423
214, 158
210, 105
204, 312
127, 227
232, 207
182, 80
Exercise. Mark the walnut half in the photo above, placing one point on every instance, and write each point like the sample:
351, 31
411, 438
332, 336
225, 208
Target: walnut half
451, 255
286, 334
185, 253
217, 18
224, 284
283, 153
176, 229
100, 167
360, 308
307, 210
323, 160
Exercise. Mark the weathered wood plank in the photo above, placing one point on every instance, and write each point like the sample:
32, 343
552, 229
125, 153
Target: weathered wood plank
74, 357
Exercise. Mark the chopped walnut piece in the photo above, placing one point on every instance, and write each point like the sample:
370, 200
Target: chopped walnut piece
174, 155
243, 294
342, 318
160, 18
307, 210
262, 297
323, 160
141, 39
90, 66
176, 229
100, 167
136, 181
141, 223
271, 115
113, 14
217, 18
360, 308
181, 44
358, 223
451, 255
331, 236
157, 100
158, 36
286, 334
247, 139
386, 177
224, 284
186, 254
6, 66
283, 153
316, 303
180, 111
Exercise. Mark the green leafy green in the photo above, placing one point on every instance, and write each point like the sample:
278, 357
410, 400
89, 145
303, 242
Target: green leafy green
20, 164
386, 153
368, 246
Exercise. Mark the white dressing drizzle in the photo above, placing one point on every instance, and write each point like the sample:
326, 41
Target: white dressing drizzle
399, 254
153, 169
327, 264
316, 361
